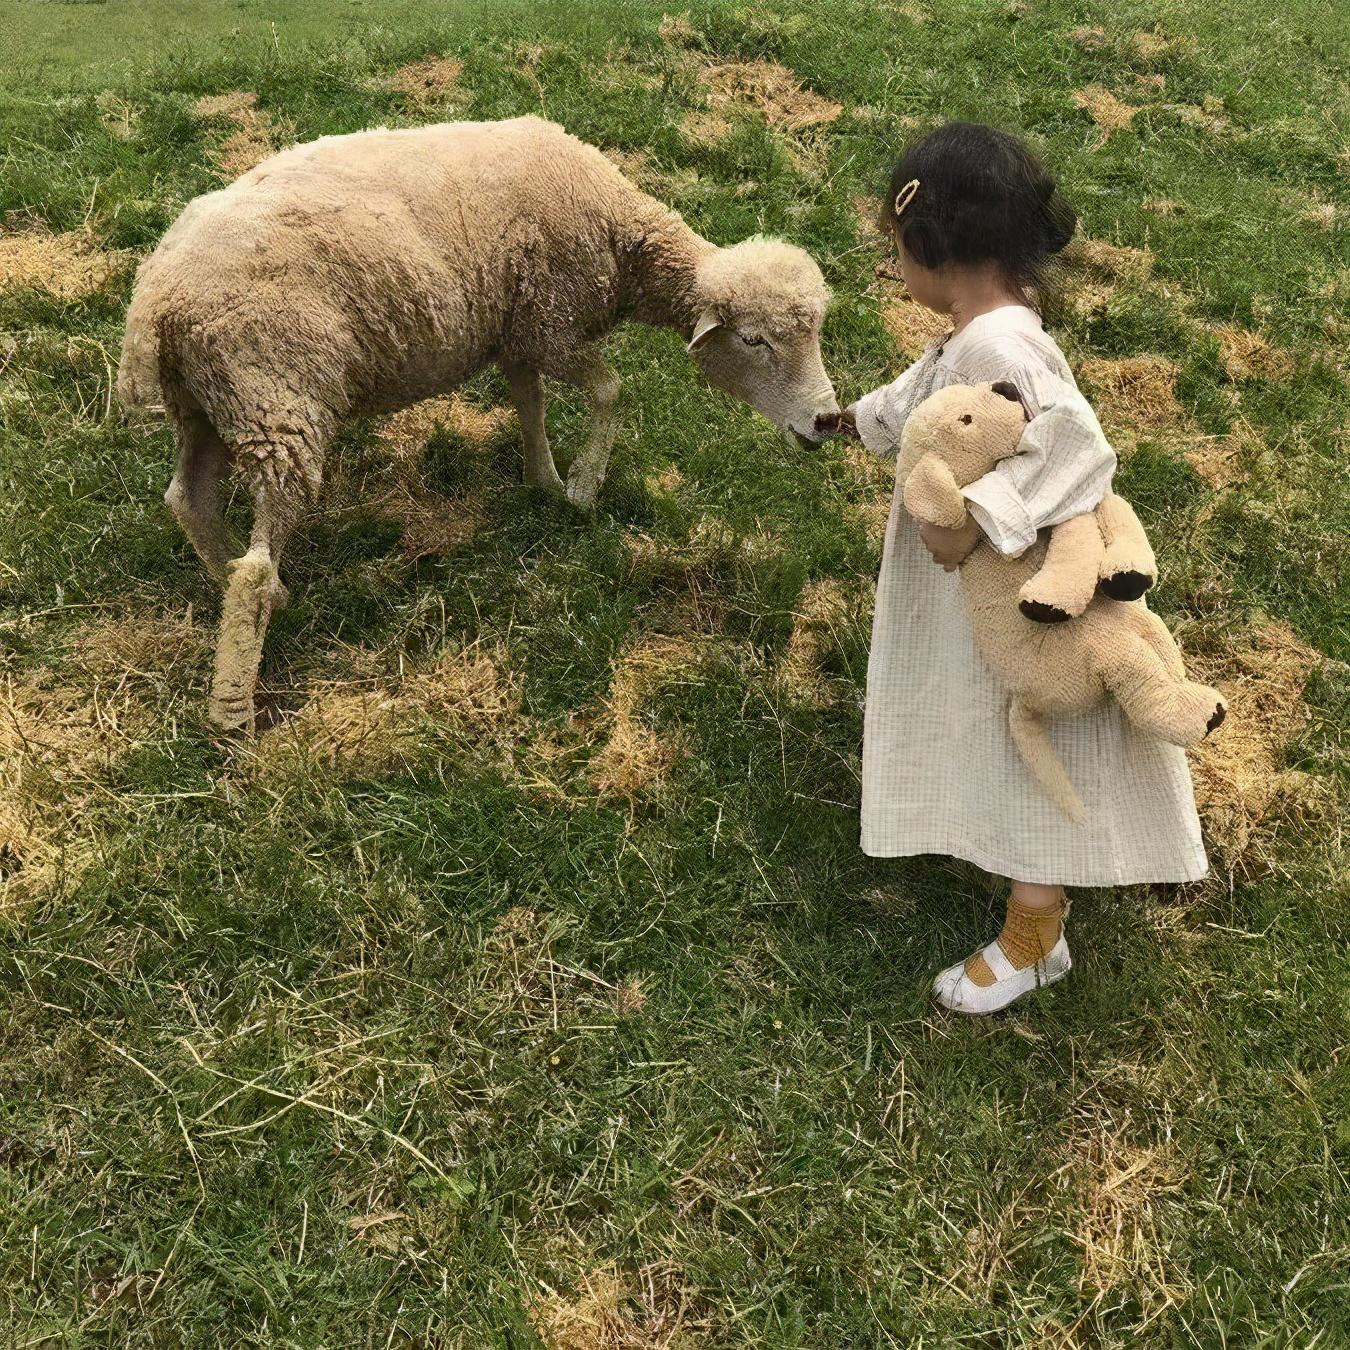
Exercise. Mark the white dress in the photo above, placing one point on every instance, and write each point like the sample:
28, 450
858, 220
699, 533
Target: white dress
940, 772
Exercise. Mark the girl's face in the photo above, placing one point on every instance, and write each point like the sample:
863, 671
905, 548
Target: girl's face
925, 284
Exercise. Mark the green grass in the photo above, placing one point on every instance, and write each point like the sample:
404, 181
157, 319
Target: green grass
273, 1069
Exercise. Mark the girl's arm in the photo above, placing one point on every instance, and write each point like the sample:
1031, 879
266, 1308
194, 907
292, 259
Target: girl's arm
879, 417
1063, 468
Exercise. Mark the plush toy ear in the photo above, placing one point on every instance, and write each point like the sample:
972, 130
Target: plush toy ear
932, 496
708, 322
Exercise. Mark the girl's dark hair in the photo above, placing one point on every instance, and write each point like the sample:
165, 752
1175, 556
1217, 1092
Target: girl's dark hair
983, 196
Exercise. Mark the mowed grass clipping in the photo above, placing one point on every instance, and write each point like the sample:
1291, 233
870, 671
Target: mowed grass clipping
522, 984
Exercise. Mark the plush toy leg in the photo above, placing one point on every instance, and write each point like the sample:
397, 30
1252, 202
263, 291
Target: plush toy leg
1031, 736
1067, 580
1154, 699
1128, 567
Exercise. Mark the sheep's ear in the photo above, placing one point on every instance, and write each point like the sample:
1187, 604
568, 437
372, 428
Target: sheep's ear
708, 322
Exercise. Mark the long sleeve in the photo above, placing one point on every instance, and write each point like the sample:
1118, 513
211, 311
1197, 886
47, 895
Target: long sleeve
1063, 468
880, 416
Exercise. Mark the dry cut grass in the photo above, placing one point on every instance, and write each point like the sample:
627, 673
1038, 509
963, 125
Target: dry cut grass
254, 138
69, 265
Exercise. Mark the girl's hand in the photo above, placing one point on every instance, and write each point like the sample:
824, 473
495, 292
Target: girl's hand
951, 548
841, 424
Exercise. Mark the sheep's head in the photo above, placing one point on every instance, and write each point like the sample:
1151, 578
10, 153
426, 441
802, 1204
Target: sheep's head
761, 304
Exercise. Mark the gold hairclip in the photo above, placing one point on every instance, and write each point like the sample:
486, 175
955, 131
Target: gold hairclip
905, 196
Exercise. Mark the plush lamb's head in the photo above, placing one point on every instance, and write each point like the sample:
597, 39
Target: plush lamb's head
761, 304
952, 438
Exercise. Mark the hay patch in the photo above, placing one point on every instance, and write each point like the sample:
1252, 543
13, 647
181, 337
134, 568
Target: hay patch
1090, 38
68, 266
1163, 206
913, 327
1118, 1227
1116, 261
467, 698
629, 998
824, 609
432, 80
1321, 215
636, 760
1240, 778
677, 30
407, 432
143, 647
773, 90
1106, 110
1249, 356
1151, 83
1209, 115
1217, 460
1148, 45
255, 137
118, 118
604, 1311
1135, 393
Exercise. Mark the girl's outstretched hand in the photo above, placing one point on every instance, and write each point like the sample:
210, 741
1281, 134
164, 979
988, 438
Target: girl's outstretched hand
841, 424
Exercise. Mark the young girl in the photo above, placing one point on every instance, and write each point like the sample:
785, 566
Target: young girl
976, 219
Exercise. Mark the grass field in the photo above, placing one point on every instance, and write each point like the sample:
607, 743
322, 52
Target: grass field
523, 984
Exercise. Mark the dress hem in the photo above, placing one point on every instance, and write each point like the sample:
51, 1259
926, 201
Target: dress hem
985, 861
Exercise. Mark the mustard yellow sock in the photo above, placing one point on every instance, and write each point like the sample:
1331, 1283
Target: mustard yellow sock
1028, 935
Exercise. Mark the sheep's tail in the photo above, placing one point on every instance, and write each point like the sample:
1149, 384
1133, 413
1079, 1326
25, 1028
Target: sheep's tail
139, 378
1032, 738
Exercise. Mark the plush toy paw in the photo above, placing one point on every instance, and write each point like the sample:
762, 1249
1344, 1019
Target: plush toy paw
1216, 718
1039, 612
1127, 585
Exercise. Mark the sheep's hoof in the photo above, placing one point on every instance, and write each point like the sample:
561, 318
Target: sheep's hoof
1039, 612
1125, 585
232, 713
582, 496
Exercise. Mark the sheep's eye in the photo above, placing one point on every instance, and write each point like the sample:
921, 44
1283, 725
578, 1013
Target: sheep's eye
754, 341
967, 420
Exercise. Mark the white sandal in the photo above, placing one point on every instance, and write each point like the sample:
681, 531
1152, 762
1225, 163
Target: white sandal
955, 990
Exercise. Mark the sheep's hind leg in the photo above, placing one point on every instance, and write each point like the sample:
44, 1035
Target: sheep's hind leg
527, 393
588, 469
194, 495
252, 592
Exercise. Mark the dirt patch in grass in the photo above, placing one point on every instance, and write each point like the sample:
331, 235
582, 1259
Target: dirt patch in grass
1106, 110
771, 89
635, 760
255, 137
604, 1311
432, 80
1240, 779
1249, 356
69, 265
1135, 393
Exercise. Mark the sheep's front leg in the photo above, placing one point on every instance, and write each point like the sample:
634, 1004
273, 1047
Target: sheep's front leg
588, 469
527, 393
253, 590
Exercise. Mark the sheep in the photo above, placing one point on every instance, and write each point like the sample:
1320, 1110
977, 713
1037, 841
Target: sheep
359, 274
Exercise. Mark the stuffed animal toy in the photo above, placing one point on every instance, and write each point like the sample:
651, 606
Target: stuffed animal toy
1106, 552
1114, 649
